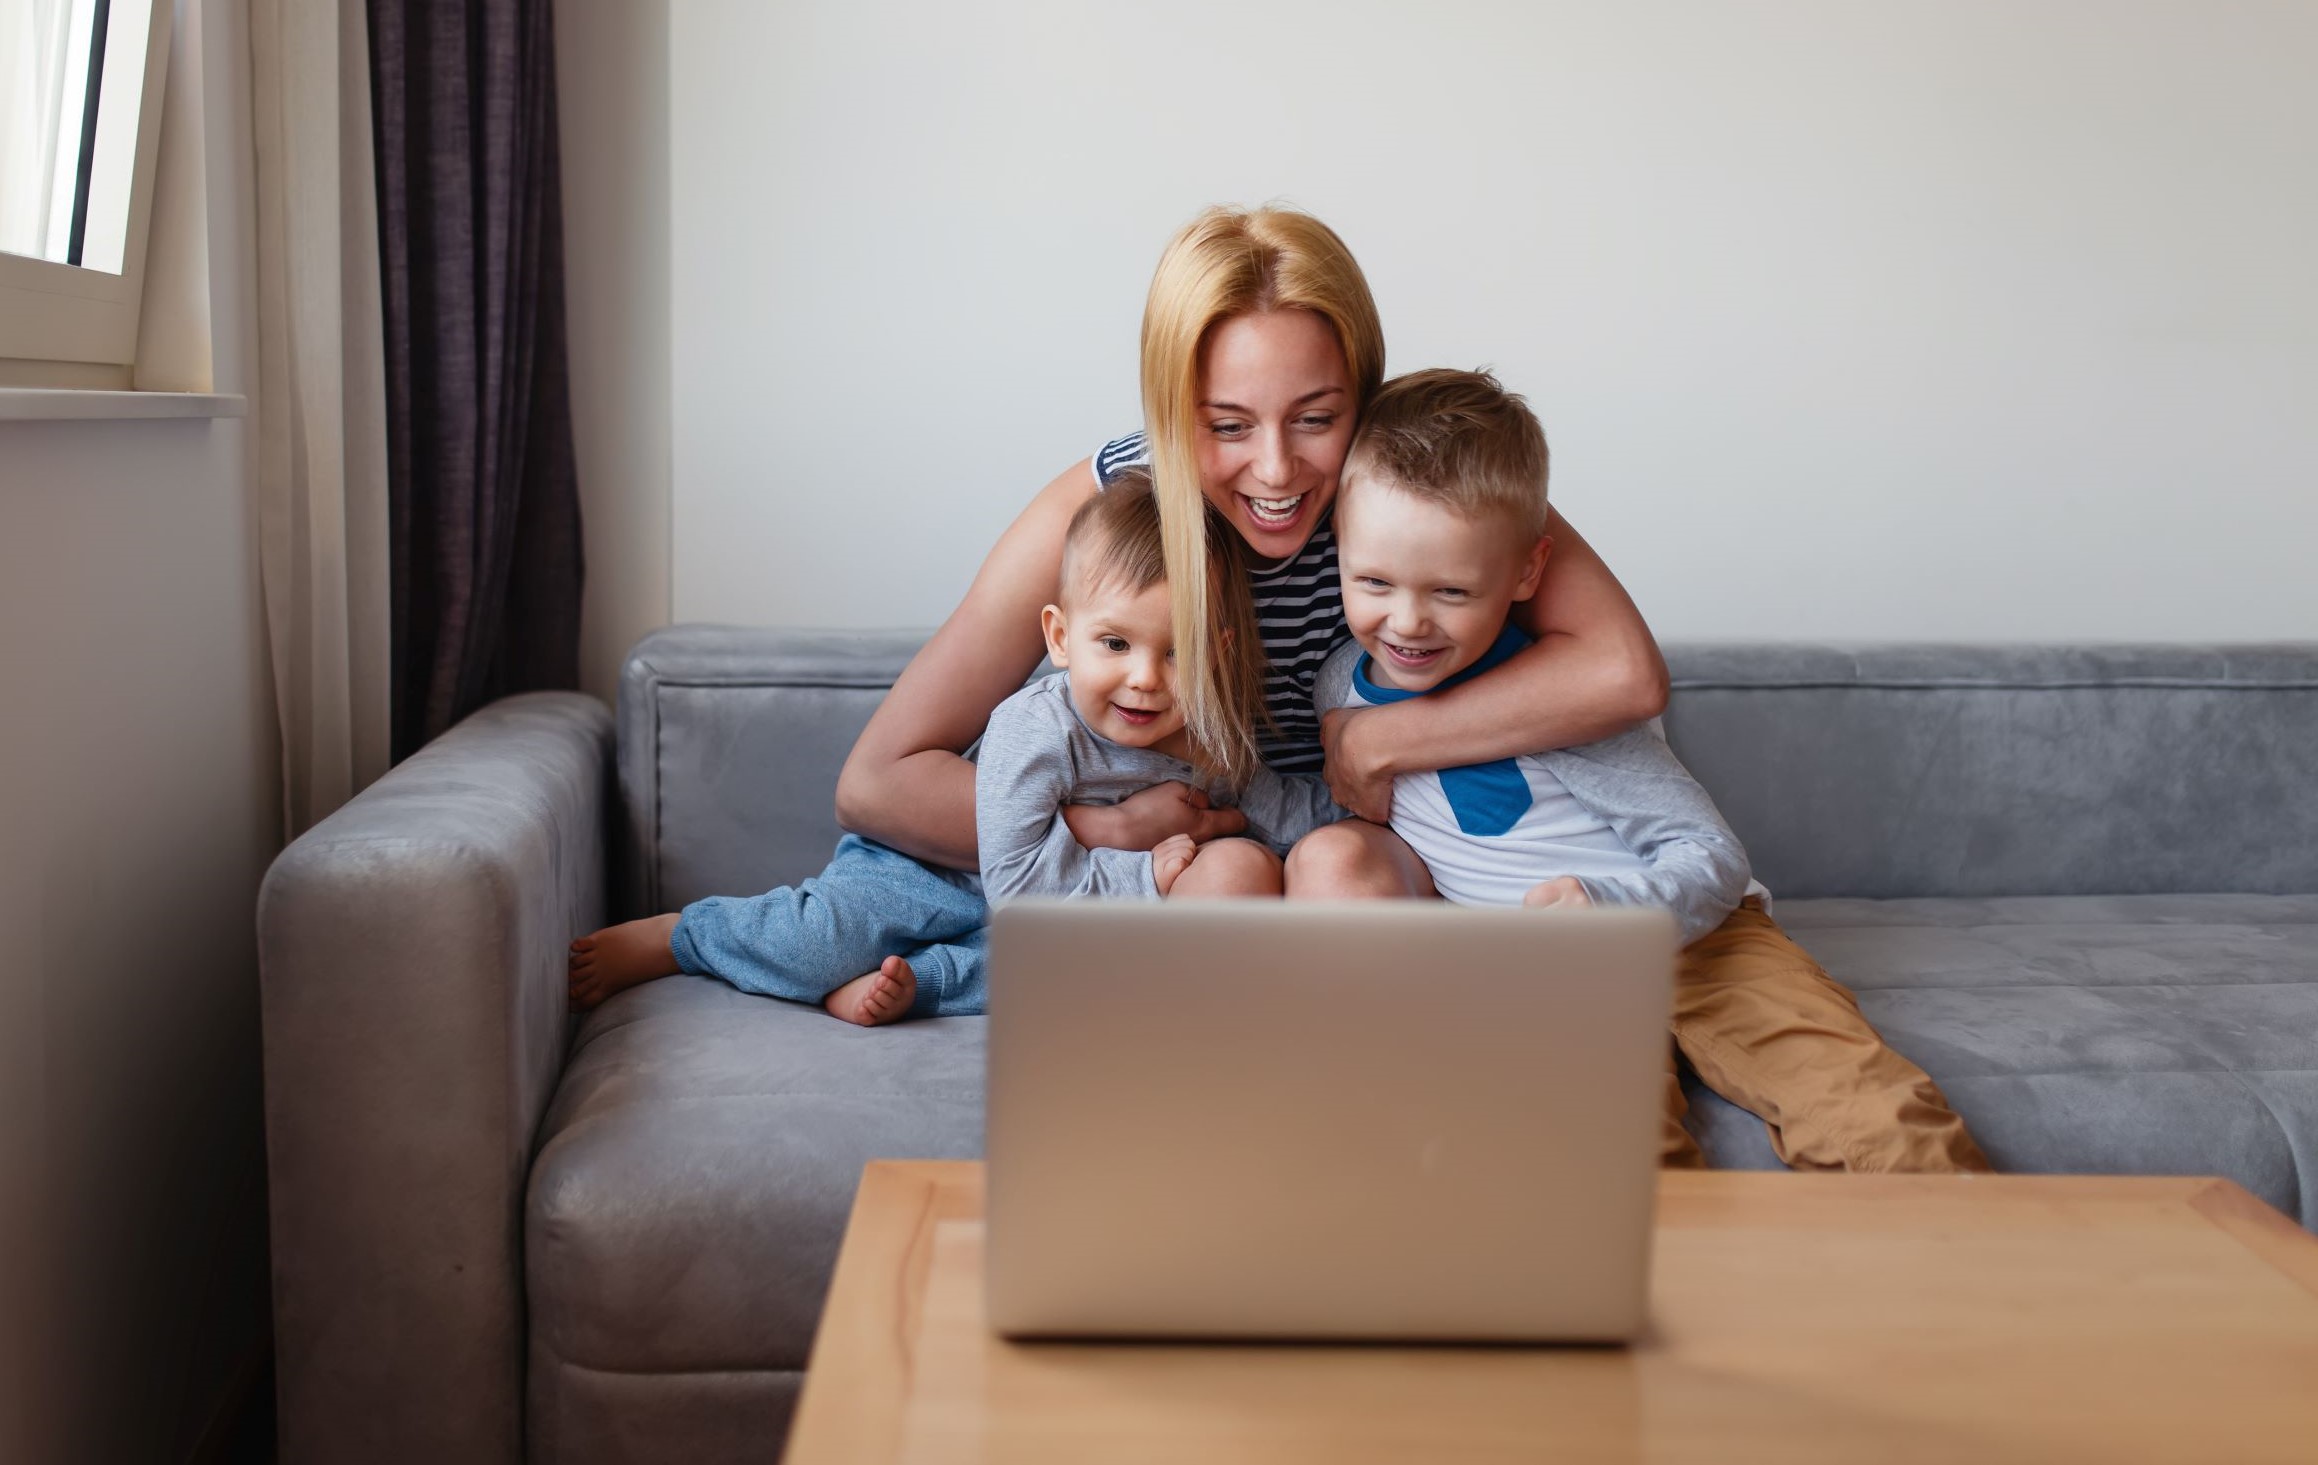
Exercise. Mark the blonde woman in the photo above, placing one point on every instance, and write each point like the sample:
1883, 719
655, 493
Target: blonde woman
1261, 347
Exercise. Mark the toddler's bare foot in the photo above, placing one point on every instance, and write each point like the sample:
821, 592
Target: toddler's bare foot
618, 957
880, 996
1564, 891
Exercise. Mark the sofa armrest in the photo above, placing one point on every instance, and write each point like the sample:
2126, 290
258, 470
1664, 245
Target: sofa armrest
411, 950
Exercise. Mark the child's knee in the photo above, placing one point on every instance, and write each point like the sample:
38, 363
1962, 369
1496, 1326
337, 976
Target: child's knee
1331, 853
1352, 860
1235, 867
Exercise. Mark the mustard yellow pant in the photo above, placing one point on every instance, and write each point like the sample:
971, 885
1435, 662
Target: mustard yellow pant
1769, 1030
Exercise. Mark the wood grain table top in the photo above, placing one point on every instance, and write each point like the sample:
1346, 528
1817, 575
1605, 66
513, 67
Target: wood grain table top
1794, 1318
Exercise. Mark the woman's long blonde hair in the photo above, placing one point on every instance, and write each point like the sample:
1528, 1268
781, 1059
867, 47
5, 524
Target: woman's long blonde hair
1119, 538
1229, 262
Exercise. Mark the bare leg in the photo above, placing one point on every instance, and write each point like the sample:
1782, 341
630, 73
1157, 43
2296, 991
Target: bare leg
875, 997
618, 957
1355, 860
1229, 867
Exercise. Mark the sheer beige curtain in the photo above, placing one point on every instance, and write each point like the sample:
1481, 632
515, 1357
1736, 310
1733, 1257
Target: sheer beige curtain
321, 403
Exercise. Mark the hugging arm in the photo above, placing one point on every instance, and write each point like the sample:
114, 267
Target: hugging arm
1594, 670
907, 783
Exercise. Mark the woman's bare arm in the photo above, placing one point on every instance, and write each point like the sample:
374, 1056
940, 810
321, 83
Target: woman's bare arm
1594, 670
907, 783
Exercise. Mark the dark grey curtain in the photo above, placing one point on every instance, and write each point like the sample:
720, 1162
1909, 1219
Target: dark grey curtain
483, 498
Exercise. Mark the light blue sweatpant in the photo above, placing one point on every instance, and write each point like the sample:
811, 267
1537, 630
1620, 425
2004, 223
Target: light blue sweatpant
802, 942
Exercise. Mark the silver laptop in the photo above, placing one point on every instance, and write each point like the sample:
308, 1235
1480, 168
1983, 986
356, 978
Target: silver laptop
1376, 1120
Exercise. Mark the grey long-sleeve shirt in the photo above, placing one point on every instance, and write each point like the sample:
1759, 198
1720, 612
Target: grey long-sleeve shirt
1621, 815
1038, 754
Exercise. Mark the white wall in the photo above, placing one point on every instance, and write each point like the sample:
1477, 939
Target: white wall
612, 83
138, 808
1909, 320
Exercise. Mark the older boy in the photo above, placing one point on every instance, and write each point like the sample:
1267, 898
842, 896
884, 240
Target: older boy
1440, 529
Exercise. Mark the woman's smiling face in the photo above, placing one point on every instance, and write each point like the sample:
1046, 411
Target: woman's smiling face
1275, 421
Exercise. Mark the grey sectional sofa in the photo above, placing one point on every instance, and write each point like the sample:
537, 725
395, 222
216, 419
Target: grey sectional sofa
2079, 885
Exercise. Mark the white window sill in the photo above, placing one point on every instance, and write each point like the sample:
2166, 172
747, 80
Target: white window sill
25, 404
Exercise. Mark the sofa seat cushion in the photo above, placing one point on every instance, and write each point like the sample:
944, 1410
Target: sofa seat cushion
699, 1161
698, 1164
2153, 1034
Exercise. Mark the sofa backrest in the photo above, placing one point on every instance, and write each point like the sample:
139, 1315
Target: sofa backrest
730, 743
2009, 770
1861, 771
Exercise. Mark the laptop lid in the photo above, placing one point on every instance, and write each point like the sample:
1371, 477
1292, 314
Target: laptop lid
1379, 1120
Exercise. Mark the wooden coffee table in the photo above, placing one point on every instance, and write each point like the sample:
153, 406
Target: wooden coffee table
1794, 1318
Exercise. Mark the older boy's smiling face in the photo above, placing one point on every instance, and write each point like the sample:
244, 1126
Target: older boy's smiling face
1119, 648
1426, 589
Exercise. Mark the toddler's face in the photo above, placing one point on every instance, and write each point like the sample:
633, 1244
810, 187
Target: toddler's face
1119, 647
1425, 588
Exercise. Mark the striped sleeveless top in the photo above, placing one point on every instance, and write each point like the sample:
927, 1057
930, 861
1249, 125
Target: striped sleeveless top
1299, 611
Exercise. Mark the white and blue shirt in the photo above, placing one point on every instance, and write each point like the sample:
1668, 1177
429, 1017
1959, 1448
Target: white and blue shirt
1622, 815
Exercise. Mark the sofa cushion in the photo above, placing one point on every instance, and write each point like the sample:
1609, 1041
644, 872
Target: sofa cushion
698, 1164
1895, 771
730, 743
2172, 1034
1876, 771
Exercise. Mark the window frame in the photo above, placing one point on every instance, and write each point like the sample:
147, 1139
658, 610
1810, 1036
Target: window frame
60, 324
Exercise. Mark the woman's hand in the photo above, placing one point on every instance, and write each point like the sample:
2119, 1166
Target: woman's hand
1356, 780
1142, 821
906, 784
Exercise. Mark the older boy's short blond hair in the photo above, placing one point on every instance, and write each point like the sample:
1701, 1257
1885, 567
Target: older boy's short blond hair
1456, 438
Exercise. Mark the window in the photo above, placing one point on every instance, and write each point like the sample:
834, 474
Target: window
80, 113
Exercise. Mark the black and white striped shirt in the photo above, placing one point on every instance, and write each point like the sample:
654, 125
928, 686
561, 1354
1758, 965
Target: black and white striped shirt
1299, 611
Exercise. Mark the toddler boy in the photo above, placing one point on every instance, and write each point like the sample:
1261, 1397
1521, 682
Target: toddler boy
1440, 531
1107, 726
878, 936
